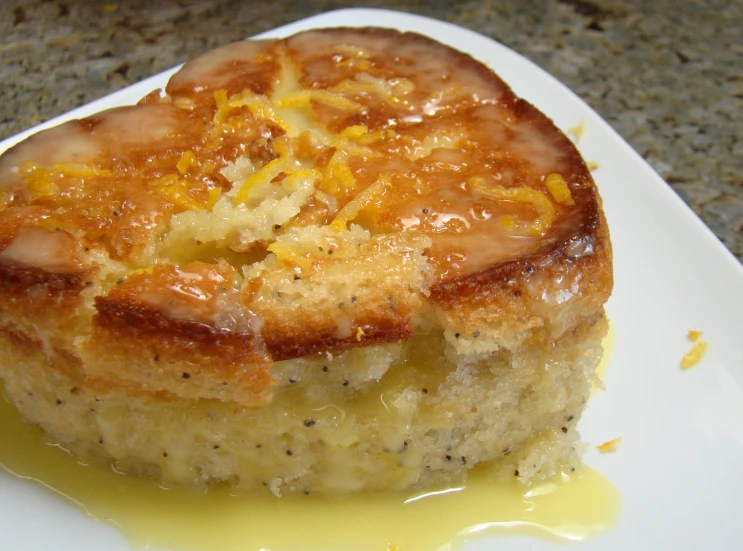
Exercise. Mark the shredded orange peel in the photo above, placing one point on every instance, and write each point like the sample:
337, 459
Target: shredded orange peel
176, 190
508, 221
260, 107
391, 91
697, 352
609, 446
187, 160
559, 190
40, 181
338, 177
304, 98
352, 209
268, 172
537, 200
140, 271
286, 253
215, 134
360, 134
577, 130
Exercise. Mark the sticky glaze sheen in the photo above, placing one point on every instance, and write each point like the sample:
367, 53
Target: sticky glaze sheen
570, 508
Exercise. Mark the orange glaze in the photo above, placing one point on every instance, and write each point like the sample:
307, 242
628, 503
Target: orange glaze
116, 179
403, 94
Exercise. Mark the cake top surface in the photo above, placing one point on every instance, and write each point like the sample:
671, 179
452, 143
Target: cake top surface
395, 132
272, 180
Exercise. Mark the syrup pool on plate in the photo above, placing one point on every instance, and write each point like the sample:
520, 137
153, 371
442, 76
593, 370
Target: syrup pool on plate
569, 507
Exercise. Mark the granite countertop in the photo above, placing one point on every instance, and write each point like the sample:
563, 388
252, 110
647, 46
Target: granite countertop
667, 74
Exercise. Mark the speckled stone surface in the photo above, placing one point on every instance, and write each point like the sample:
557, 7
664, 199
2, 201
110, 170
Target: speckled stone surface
667, 74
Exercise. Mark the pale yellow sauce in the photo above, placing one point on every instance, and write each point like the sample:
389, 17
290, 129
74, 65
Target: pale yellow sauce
572, 507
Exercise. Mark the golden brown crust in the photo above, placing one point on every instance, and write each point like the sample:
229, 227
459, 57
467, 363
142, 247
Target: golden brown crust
38, 301
115, 184
179, 338
15, 280
173, 357
170, 313
285, 341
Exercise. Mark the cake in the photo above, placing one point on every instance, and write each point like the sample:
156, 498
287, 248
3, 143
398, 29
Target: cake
347, 260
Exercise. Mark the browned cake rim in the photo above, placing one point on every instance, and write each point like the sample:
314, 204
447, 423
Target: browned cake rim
582, 247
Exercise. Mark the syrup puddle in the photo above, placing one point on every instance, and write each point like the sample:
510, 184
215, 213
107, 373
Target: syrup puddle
567, 508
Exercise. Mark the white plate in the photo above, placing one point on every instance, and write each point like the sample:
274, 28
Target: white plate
678, 469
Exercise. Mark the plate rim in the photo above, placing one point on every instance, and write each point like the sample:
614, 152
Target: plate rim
687, 218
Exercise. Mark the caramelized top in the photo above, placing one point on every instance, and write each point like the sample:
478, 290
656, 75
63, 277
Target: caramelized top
334, 128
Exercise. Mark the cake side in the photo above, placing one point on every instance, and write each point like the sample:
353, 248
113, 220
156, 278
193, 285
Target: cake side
358, 225
380, 418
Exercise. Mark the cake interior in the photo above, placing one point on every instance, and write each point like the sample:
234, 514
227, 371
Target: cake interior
387, 417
